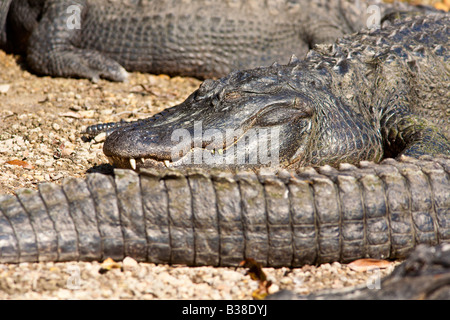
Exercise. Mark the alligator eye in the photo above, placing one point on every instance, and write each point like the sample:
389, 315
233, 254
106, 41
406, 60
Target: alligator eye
280, 113
232, 95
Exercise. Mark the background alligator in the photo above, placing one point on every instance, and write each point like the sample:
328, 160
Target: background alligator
200, 38
369, 96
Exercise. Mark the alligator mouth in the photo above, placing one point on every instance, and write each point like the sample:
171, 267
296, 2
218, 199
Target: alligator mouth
208, 153
152, 162
137, 163
132, 163
246, 149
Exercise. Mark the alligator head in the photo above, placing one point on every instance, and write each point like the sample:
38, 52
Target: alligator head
274, 116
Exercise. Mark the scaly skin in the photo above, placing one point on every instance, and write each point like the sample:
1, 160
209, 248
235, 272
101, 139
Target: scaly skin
216, 218
425, 275
372, 95
200, 38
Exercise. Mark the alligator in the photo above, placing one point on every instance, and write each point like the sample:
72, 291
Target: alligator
372, 95
201, 217
200, 38
425, 275
219, 218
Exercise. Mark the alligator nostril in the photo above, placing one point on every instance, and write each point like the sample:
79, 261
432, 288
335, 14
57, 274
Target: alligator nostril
204, 87
207, 84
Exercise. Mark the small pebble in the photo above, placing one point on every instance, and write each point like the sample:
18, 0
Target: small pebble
4, 88
129, 264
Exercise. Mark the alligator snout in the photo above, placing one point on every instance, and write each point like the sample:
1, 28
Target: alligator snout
131, 147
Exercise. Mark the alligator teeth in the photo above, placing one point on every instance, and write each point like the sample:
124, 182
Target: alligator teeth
167, 163
133, 163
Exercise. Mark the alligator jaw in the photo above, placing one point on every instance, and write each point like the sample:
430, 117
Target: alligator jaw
135, 164
185, 161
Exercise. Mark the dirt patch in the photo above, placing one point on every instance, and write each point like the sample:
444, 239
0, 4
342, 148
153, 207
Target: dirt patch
42, 119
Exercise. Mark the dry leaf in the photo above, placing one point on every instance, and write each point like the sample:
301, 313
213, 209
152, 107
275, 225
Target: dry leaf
109, 264
163, 76
441, 6
362, 265
20, 163
254, 269
256, 272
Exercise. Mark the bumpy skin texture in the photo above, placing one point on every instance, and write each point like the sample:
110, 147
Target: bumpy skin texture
218, 218
200, 38
425, 275
372, 95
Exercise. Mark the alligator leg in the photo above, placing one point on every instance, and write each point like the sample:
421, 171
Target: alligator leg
61, 23
409, 135
405, 128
